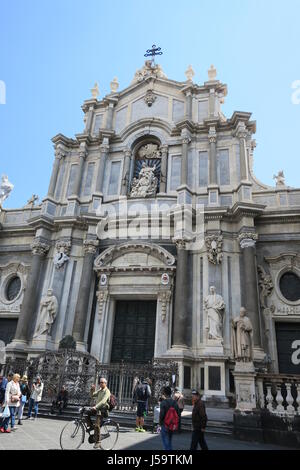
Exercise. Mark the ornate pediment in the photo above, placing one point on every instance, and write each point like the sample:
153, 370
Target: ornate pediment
134, 257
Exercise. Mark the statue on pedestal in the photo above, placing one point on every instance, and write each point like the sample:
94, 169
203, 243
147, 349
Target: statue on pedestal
5, 188
242, 337
48, 311
146, 183
214, 306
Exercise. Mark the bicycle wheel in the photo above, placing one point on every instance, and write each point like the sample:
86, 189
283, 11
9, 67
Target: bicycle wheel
109, 433
72, 435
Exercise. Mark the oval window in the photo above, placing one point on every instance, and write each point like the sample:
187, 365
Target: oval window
290, 286
13, 288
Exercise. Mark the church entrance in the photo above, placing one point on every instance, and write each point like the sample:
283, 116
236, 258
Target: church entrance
134, 331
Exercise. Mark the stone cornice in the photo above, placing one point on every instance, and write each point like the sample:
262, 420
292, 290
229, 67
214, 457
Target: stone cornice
62, 139
41, 221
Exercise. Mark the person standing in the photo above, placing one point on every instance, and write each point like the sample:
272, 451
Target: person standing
168, 418
179, 398
25, 394
141, 395
35, 397
100, 409
199, 421
12, 400
3, 385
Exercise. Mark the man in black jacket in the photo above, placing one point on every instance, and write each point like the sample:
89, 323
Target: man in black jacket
199, 420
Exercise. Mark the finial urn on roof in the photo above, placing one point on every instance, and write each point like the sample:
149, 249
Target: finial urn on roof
212, 73
114, 85
95, 91
189, 73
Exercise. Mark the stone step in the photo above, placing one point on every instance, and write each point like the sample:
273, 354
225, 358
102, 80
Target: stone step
127, 418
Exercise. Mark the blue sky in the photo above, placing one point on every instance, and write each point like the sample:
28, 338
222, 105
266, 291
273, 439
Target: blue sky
53, 51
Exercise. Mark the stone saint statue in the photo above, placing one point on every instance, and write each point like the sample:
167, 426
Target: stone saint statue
5, 188
48, 310
214, 306
242, 337
146, 183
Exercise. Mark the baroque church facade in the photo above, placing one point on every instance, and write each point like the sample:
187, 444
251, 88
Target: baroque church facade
109, 257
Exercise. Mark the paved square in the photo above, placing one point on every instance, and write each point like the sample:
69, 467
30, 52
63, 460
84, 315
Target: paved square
43, 434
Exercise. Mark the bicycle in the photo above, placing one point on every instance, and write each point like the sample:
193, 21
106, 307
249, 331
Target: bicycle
73, 433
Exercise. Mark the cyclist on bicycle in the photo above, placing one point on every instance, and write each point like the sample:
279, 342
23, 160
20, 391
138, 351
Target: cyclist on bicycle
100, 409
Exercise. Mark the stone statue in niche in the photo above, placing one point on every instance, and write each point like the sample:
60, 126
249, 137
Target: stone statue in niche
242, 337
214, 306
146, 184
48, 311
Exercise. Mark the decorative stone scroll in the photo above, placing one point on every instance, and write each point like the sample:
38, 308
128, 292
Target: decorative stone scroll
164, 296
90, 246
62, 254
149, 98
102, 295
214, 245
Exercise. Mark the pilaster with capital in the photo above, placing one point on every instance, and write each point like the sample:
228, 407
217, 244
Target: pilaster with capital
184, 159
90, 249
82, 155
242, 134
126, 170
249, 288
28, 308
163, 169
164, 297
212, 138
89, 120
60, 152
104, 149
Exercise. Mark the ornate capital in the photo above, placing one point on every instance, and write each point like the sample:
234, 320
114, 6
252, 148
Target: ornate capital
82, 150
39, 248
104, 148
60, 152
164, 296
127, 152
214, 245
186, 140
90, 246
164, 149
241, 131
63, 246
247, 239
180, 243
212, 135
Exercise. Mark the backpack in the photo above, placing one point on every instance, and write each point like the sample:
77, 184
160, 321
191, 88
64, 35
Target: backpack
142, 392
171, 421
112, 402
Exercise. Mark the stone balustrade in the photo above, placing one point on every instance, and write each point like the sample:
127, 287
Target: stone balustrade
279, 394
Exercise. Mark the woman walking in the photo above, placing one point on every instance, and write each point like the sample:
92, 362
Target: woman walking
12, 400
25, 391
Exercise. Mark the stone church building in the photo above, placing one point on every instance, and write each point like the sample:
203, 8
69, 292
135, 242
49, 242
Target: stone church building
106, 257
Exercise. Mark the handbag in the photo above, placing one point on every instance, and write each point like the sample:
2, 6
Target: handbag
14, 398
6, 412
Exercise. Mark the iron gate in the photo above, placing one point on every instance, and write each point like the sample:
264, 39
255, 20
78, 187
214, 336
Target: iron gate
77, 371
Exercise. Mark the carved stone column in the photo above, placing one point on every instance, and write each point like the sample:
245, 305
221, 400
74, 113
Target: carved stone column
82, 156
59, 154
126, 171
104, 149
90, 248
163, 168
212, 137
27, 314
250, 297
184, 160
181, 294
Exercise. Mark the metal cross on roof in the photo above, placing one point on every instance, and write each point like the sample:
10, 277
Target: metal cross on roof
153, 52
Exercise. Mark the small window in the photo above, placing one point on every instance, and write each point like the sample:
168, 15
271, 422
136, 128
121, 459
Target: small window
113, 185
223, 164
203, 168
289, 285
13, 288
187, 377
